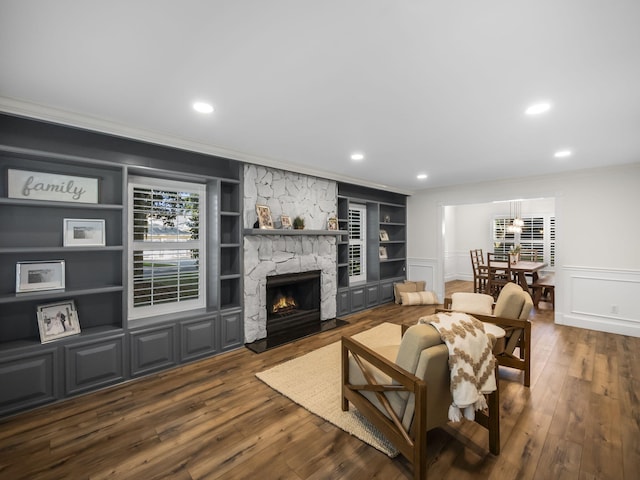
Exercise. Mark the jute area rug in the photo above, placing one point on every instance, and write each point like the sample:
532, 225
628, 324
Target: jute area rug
313, 382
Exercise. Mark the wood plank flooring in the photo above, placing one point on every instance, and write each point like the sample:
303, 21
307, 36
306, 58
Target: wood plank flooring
214, 419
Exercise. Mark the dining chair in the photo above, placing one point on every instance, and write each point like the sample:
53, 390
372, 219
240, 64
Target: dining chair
480, 271
498, 272
529, 255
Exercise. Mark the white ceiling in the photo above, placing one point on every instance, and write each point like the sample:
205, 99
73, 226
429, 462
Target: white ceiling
417, 86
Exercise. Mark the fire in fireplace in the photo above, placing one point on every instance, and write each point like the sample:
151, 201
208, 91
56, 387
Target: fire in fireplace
283, 304
293, 302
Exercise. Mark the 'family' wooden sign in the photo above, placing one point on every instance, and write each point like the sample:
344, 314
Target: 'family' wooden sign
52, 186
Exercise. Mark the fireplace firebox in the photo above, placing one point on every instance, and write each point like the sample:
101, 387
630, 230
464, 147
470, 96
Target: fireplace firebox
293, 302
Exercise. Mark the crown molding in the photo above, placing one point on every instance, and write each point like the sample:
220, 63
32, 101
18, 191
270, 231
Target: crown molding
63, 117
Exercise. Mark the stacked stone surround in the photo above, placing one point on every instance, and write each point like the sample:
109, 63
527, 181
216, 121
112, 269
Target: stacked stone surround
292, 194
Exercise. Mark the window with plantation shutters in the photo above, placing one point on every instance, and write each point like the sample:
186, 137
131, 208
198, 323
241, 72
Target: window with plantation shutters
166, 248
357, 243
537, 239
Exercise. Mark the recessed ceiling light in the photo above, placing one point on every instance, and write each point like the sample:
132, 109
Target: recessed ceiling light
563, 153
357, 156
421, 176
538, 108
202, 107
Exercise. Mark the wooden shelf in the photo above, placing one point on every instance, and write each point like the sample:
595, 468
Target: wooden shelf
47, 294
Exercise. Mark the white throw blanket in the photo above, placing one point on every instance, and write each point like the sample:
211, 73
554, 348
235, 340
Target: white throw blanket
471, 361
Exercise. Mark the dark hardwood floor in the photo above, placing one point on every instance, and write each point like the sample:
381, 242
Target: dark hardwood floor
214, 419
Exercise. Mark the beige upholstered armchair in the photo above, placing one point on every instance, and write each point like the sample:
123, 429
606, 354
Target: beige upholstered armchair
511, 312
404, 390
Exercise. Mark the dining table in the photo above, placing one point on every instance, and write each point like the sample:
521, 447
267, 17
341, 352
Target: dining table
520, 269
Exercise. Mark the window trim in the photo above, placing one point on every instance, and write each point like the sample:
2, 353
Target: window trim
141, 312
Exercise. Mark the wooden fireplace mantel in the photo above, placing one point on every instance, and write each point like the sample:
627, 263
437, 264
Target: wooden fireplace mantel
293, 232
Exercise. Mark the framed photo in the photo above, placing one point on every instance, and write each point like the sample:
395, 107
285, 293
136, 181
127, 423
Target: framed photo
57, 320
383, 253
384, 236
83, 233
286, 222
264, 216
332, 223
39, 276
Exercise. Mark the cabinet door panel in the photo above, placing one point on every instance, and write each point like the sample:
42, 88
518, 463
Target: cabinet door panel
357, 299
386, 292
152, 350
232, 331
28, 381
343, 303
198, 338
94, 364
372, 295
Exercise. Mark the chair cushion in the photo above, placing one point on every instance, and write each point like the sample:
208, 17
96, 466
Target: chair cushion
471, 303
510, 301
415, 339
423, 353
419, 298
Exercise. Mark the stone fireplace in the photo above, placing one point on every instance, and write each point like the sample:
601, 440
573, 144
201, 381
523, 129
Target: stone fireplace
278, 253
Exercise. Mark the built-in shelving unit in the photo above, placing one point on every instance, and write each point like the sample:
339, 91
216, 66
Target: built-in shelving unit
230, 246
385, 227
110, 348
34, 232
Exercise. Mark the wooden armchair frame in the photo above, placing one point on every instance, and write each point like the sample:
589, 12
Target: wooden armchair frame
413, 444
523, 342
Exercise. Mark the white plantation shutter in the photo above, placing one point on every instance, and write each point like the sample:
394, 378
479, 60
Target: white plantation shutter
538, 235
357, 243
166, 249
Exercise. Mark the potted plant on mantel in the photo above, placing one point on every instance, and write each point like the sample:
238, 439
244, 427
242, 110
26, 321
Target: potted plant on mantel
514, 254
298, 223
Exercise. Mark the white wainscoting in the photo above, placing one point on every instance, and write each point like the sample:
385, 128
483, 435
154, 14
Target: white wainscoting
427, 270
457, 266
599, 299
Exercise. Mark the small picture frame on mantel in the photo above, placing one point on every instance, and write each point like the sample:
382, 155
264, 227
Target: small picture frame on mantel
286, 222
264, 217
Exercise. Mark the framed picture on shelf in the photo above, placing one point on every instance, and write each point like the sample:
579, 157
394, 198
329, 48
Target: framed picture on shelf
40, 276
57, 320
384, 236
83, 232
383, 253
332, 223
286, 222
264, 216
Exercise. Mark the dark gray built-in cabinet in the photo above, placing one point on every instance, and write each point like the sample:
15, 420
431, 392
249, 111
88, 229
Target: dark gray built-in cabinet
110, 348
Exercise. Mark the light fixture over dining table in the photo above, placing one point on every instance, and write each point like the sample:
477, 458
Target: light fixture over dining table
515, 215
